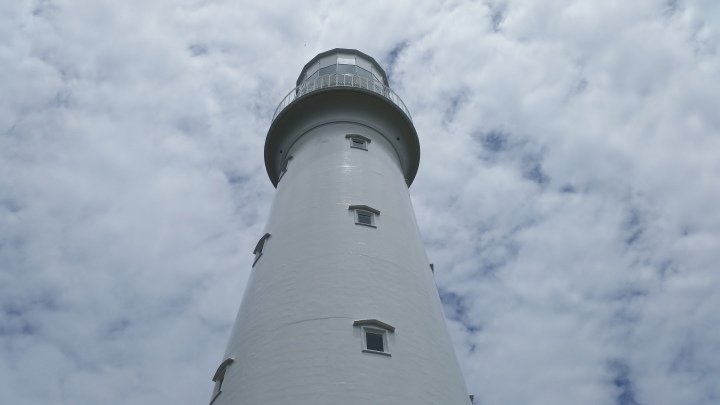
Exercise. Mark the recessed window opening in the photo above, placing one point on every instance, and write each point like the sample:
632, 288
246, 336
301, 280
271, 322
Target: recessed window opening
374, 336
259, 248
364, 215
218, 383
284, 167
358, 141
374, 340
219, 377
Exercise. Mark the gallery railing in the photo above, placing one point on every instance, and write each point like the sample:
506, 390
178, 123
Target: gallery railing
341, 80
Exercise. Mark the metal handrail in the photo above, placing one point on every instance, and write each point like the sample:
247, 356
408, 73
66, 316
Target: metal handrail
341, 80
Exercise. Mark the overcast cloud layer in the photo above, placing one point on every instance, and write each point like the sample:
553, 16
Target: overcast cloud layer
568, 190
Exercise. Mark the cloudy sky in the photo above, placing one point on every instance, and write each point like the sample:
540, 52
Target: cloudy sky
568, 190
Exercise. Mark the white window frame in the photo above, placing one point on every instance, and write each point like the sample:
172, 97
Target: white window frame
358, 141
258, 252
377, 327
364, 210
381, 332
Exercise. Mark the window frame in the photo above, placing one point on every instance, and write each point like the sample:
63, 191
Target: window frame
364, 210
358, 141
382, 333
361, 214
258, 252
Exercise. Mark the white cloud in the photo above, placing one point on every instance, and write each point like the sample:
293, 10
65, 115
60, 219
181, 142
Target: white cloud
567, 190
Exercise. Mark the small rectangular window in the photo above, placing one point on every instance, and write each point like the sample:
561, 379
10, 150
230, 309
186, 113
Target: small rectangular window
375, 341
284, 167
218, 384
364, 215
259, 248
219, 377
374, 336
358, 141
364, 218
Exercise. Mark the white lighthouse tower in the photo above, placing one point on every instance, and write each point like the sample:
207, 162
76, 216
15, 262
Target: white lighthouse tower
341, 306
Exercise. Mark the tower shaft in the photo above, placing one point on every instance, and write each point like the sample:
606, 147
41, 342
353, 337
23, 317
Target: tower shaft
341, 306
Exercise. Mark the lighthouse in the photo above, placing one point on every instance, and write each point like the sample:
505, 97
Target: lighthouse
341, 306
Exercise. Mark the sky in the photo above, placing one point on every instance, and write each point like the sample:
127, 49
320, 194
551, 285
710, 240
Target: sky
567, 194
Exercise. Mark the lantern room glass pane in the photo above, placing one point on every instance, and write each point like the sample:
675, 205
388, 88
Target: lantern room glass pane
346, 69
327, 70
364, 73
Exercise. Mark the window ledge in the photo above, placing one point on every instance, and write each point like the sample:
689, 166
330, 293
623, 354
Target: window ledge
377, 352
215, 397
371, 226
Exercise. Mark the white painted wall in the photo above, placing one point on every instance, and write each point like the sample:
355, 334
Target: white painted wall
294, 341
